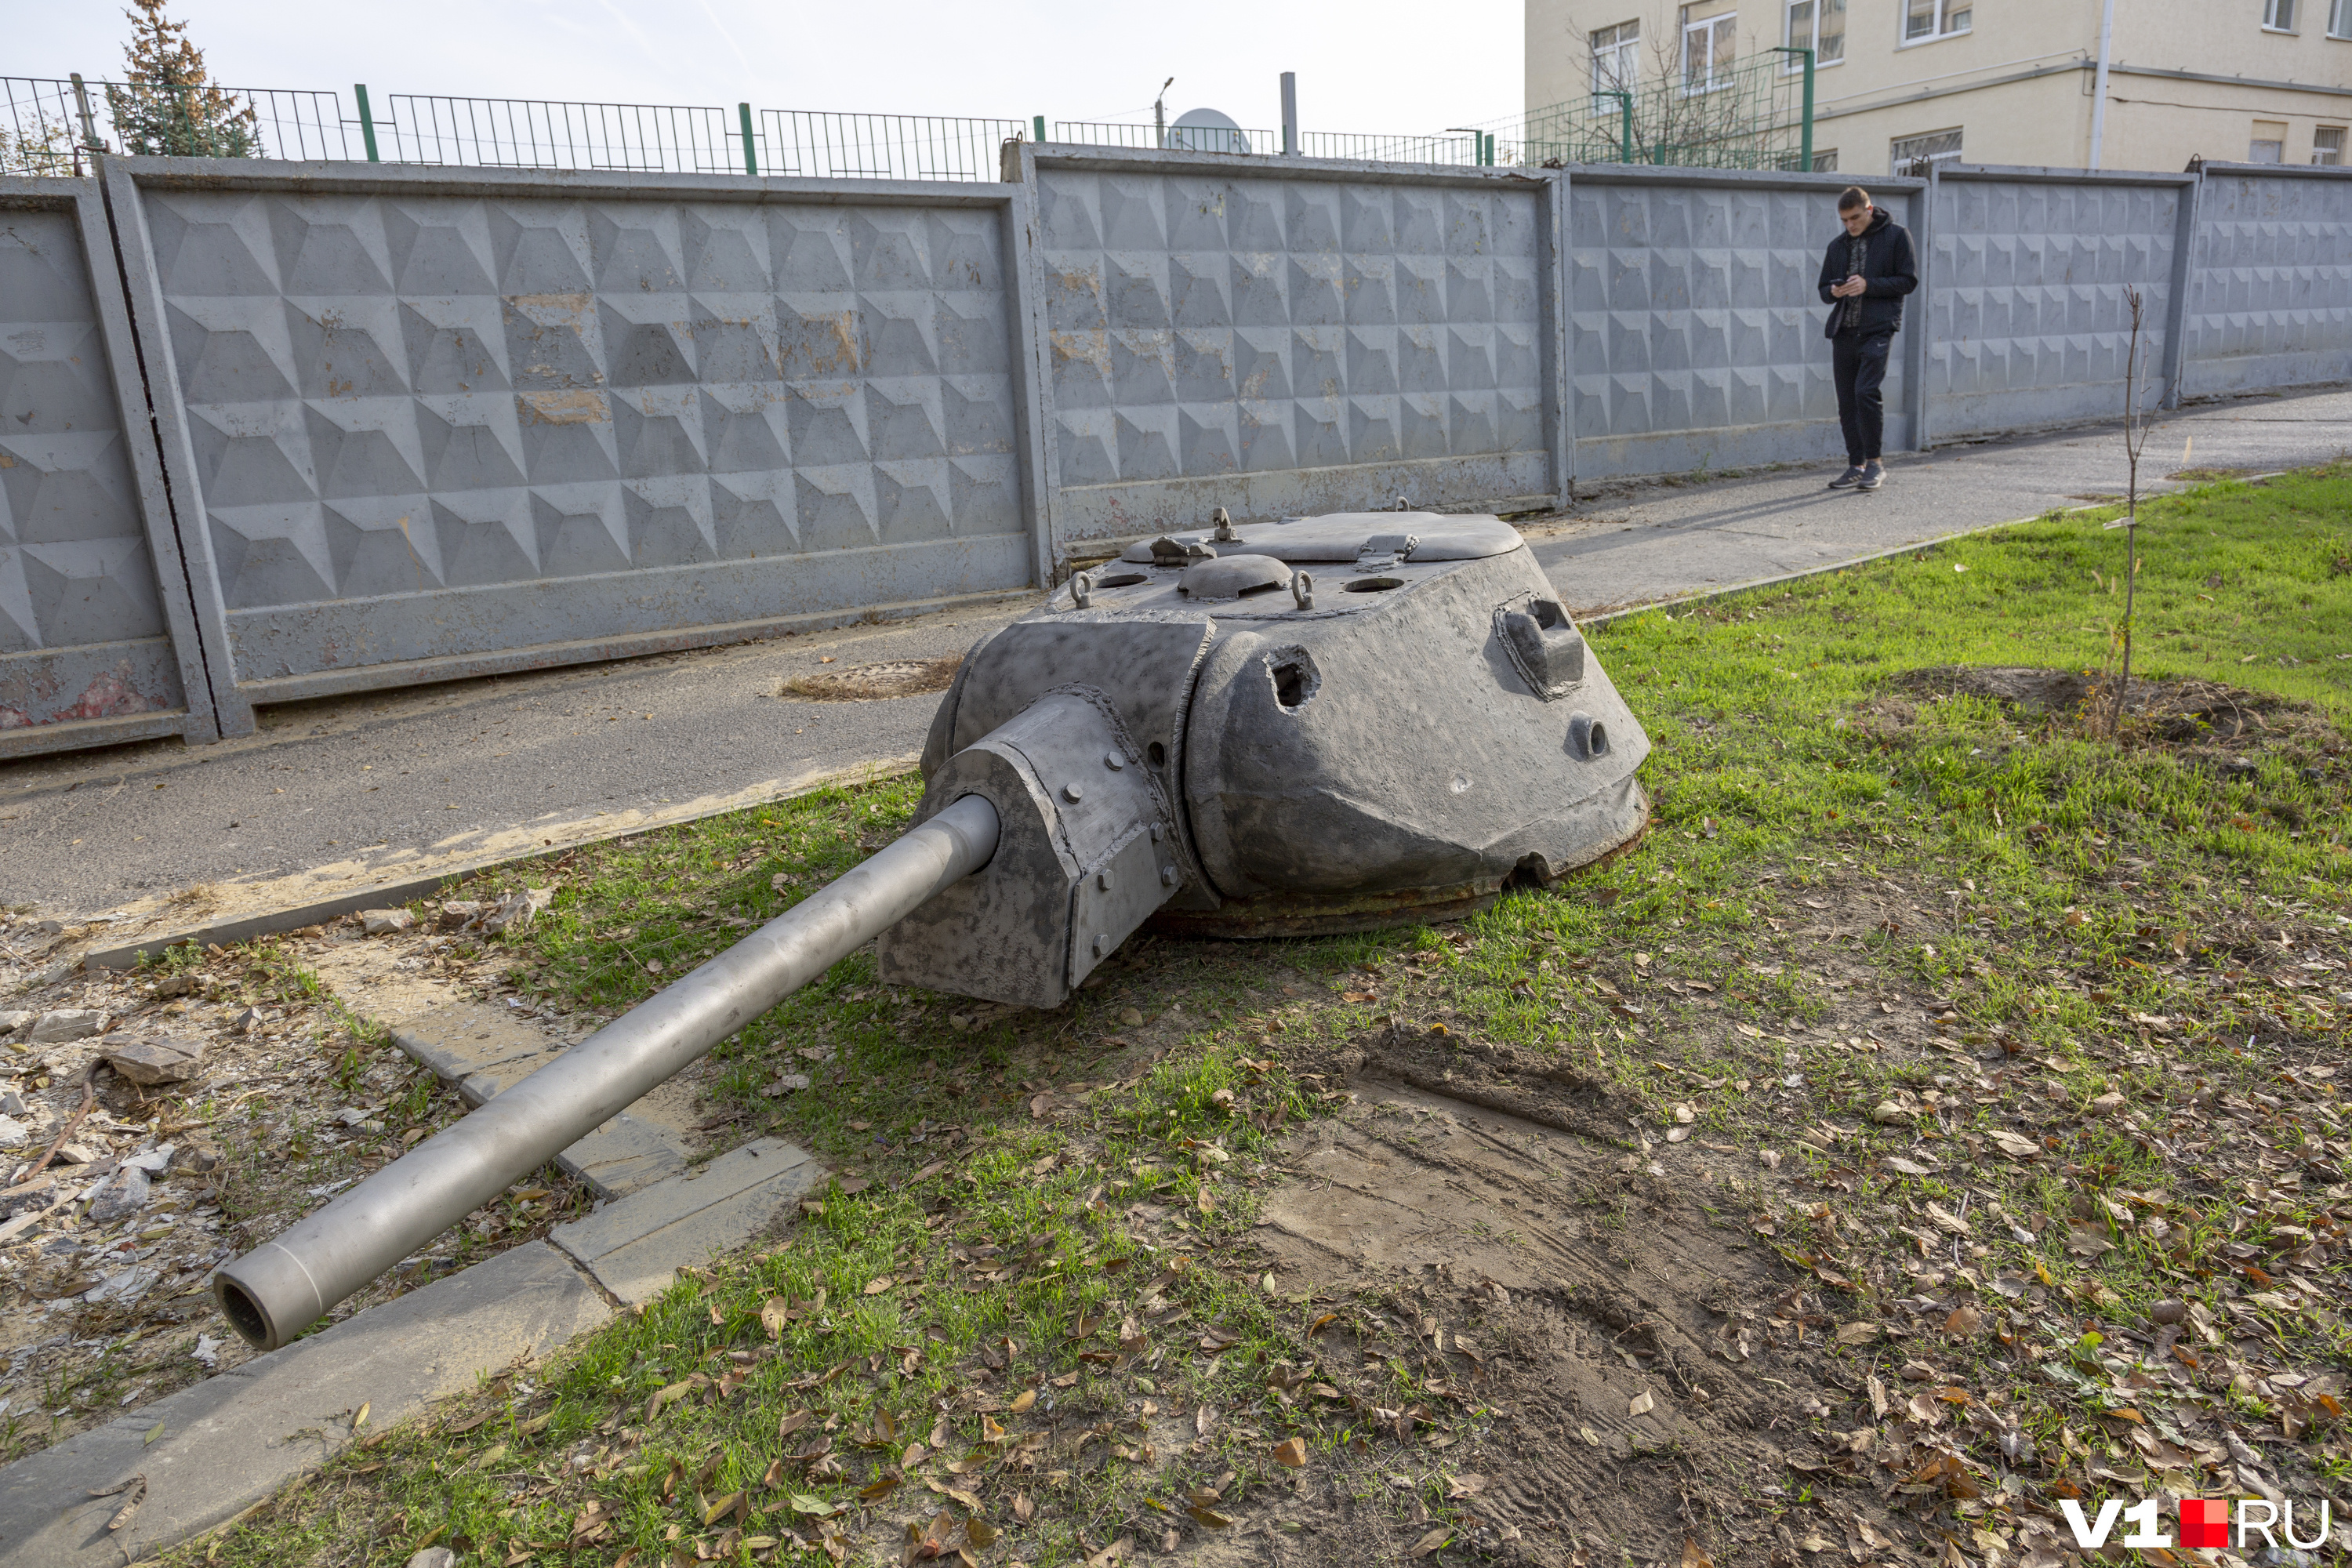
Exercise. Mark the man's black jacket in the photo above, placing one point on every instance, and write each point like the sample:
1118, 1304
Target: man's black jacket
1888, 268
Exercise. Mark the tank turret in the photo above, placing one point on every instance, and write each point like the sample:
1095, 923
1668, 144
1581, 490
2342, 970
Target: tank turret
1333, 723
1324, 724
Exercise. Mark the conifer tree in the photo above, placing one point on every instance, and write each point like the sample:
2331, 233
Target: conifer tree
46, 147
170, 107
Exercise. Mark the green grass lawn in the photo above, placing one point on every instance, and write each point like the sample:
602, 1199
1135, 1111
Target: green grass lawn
1034, 1274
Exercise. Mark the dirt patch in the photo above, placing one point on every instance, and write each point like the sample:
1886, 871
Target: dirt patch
1635, 1343
876, 682
2172, 713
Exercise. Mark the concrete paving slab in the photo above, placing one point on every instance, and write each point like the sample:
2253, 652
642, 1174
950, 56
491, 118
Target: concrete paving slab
636, 1246
210, 1451
625, 1155
484, 1047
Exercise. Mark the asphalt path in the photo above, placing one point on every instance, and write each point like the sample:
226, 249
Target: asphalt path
349, 790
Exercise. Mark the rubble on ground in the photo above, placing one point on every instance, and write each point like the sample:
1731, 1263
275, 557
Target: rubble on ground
155, 1123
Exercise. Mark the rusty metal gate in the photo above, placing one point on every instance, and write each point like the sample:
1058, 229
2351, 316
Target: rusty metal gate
425, 424
96, 643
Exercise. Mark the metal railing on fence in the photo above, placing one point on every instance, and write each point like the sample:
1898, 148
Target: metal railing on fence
543, 134
822, 145
49, 125
1239, 141
1754, 113
1465, 147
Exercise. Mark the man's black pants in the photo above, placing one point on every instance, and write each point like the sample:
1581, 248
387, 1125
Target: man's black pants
1859, 365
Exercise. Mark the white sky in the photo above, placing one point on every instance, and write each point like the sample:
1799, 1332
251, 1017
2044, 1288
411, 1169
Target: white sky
1379, 65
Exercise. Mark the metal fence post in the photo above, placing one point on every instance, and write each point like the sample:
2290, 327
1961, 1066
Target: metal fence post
2185, 219
367, 121
1625, 98
1040, 124
751, 147
1807, 143
1805, 134
89, 126
1554, 362
1919, 355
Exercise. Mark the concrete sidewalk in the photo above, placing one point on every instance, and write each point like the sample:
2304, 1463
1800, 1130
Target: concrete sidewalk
353, 793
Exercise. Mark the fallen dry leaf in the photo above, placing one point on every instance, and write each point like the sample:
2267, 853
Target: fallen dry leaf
1291, 1451
1432, 1540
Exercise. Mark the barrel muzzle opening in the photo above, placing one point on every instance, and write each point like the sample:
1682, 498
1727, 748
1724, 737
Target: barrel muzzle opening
244, 1313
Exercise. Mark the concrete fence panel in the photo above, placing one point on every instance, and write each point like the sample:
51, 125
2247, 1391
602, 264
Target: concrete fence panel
1287, 337
1695, 335
2028, 320
96, 638
2271, 302
418, 423
423, 422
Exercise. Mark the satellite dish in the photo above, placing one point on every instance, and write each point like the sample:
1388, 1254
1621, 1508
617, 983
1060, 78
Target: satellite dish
1206, 131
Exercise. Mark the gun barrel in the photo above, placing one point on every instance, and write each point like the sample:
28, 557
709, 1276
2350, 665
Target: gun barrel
273, 1293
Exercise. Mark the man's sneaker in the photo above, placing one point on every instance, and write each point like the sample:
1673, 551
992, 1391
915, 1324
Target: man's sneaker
1847, 480
1873, 476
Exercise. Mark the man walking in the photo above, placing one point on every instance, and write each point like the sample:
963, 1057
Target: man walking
1864, 276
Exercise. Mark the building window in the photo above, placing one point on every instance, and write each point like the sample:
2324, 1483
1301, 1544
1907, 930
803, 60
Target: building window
2278, 16
1826, 161
1926, 19
2327, 146
2269, 145
1617, 61
1933, 147
1707, 50
1820, 26
2339, 19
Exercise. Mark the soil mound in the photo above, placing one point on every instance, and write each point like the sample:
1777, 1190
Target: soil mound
2175, 712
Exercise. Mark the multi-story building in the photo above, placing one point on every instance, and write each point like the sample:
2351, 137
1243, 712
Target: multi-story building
1990, 82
